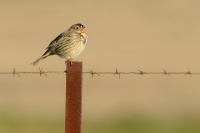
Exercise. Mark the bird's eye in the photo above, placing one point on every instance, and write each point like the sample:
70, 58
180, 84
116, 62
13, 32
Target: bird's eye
77, 28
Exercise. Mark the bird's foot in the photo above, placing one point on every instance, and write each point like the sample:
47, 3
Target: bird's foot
70, 60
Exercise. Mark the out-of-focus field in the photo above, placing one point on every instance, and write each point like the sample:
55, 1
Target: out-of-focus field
120, 124
129, 35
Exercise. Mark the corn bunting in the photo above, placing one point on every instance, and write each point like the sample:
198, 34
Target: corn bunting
68, 44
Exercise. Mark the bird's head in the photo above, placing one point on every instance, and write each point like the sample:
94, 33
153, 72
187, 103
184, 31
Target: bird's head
77, 28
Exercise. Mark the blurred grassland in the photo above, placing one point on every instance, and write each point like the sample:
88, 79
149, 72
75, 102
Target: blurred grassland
20, 123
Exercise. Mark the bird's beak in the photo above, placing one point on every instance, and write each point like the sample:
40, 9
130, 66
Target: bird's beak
81, 30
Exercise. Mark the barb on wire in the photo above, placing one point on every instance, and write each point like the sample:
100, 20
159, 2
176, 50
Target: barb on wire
15, 73
189, 73
93, 73
42, 72
117, 73
142, 72
165, 72
65, 71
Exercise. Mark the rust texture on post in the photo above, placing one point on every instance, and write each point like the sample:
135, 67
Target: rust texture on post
73, 97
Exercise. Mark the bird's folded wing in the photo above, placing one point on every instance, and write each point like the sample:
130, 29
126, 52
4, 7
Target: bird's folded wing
63, 37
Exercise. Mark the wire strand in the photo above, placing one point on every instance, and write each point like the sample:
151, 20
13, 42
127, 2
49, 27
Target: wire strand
92, 73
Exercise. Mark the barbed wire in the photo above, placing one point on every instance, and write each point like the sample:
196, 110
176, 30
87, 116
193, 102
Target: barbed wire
92, 73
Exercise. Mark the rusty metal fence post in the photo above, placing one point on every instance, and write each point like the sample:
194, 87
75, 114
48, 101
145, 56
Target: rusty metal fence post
73, 97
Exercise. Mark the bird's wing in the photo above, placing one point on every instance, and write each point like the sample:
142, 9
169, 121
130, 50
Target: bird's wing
63, 37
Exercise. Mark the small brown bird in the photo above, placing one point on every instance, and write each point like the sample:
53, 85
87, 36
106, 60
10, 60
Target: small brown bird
68, 44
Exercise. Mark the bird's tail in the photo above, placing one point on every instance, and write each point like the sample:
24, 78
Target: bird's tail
46, 54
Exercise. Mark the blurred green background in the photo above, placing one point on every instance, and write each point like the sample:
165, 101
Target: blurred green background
130, 35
